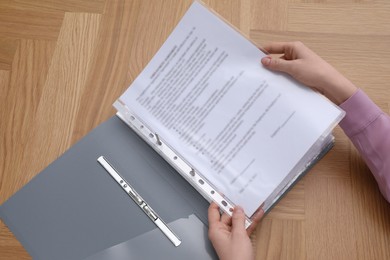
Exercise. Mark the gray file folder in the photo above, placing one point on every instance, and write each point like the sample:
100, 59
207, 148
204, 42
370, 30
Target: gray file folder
75, 210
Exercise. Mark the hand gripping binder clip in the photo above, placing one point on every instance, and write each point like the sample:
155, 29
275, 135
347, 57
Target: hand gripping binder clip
187, 171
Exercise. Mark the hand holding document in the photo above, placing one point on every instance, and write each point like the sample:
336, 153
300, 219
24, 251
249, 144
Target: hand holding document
246, 130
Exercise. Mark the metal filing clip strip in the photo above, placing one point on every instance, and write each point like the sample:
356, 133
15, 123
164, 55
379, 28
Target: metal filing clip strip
139, 201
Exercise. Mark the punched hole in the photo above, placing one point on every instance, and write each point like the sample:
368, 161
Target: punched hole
175, 158
212, 192
158, 140
224, 203
201, 181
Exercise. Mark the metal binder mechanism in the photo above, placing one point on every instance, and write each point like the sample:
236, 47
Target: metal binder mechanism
139, 201
185, 169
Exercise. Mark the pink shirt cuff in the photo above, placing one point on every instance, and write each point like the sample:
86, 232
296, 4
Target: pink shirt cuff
360, 112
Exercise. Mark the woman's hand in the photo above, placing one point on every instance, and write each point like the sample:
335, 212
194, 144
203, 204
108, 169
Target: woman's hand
310, 69
228, 234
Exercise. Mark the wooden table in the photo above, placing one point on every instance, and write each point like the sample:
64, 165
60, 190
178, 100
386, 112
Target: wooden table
63, 63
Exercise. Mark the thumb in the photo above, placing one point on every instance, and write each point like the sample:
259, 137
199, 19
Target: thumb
238, 220
276, 64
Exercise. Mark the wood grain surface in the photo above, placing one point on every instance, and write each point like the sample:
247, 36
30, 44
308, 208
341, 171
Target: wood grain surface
63, 64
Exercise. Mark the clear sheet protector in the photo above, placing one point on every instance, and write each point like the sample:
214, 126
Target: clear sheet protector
237, 131
191, 229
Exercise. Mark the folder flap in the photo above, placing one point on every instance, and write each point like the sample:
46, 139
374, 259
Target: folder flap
74, 209
190, 228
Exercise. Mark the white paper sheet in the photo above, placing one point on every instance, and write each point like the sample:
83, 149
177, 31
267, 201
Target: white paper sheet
241, 126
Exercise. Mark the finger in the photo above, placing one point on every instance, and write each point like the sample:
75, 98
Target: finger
226, 219
238, 220
277, 47
213, 214
255, 220
283, 57
278, 64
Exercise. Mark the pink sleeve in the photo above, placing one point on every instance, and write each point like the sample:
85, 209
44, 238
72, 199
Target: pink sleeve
368, 127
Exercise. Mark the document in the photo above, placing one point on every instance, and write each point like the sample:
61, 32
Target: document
243, 127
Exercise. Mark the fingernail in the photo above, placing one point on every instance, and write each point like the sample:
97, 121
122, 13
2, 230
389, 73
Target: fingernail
266, 60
